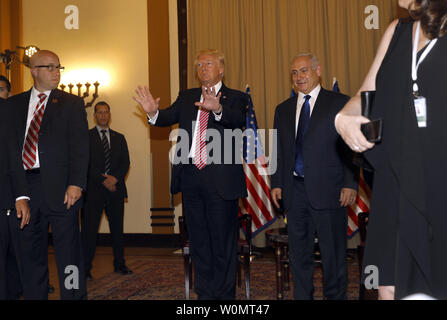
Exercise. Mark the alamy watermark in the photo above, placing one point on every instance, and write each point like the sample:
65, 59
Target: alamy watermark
228, 146
72, 279
372, 280
372, 20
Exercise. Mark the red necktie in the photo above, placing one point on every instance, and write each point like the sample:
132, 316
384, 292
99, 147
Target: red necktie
200, 153
29, 155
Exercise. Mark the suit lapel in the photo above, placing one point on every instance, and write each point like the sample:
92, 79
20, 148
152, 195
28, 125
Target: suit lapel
318, 111
291, 121
224, 90
195, 97
97, 137
23, 114
113, 140
50, 109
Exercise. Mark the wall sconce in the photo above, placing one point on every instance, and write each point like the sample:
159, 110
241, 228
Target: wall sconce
8, 57
86, 93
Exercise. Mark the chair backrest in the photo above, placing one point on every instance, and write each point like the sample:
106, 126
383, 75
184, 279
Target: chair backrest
183, 230
245, 222
363, 223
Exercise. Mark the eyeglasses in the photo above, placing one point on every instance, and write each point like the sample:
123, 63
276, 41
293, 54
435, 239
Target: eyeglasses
52, 67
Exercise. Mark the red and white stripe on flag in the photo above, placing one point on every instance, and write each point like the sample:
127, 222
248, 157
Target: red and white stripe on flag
259, 202
361, 205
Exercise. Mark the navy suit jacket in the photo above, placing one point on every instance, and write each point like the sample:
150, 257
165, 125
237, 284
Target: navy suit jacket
12, 177
227, 176
327, 161
63, 143
119, 162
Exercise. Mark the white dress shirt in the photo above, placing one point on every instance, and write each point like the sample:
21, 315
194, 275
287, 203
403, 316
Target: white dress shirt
313, 98
107, 133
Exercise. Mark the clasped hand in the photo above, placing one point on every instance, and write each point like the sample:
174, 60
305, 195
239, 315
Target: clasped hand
110, 182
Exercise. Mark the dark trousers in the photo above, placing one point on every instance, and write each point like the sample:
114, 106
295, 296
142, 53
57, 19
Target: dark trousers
330, 225
212, 228
67, 246
10, 282
95, 204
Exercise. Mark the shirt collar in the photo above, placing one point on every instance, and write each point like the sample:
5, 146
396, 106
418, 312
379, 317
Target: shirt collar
35, 93
218, 86
314, 93
100, 129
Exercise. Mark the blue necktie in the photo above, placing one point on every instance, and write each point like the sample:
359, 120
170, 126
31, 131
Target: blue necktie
302, 127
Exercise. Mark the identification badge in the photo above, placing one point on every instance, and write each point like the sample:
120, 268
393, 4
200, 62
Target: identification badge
420, 106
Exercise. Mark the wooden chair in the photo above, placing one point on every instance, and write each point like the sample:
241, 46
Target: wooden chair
186, 252
363, 222
244, 250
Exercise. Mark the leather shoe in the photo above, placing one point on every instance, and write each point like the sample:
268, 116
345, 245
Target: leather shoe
123, 270
88, 276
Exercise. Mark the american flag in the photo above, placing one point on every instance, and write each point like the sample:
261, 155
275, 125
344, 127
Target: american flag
363, 196
360, 205
258, 203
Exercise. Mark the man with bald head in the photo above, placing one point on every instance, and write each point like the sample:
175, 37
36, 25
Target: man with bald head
52, 131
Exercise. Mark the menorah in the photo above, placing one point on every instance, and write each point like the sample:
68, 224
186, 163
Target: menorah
86, 93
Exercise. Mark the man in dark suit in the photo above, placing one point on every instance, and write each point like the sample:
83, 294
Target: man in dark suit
314, 180
14, 209
210, 185
53, 135
106, 188
5, 88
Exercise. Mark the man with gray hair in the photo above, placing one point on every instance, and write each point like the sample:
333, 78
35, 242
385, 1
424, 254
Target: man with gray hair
315, 180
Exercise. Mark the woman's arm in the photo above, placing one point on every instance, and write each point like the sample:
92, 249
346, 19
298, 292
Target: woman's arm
349, 119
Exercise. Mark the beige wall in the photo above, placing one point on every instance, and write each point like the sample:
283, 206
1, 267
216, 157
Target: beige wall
113, 38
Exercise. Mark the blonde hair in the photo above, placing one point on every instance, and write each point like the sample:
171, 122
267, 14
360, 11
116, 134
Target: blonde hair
212, 52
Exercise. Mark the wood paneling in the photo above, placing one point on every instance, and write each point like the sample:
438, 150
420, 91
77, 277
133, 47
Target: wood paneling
159, 85
11, 37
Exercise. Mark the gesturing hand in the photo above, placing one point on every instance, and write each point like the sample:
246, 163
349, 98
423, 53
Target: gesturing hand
146, 101
211, 102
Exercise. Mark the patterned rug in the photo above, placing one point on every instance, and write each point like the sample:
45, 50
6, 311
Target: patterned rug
163, 279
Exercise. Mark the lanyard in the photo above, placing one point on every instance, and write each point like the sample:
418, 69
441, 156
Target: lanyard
415, 63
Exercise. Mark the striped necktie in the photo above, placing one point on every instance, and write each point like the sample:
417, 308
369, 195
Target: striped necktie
29, 155
200, 152
105, 144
